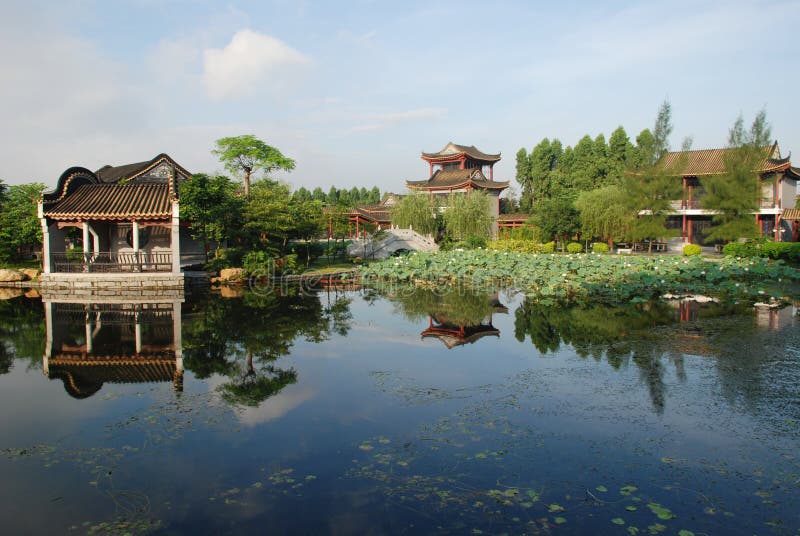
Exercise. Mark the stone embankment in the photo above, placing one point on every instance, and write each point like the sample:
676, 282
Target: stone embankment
24, 278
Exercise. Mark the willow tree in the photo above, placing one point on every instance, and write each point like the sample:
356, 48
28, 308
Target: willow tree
469, 216
247, 154
734, 196
415, 211
603, 213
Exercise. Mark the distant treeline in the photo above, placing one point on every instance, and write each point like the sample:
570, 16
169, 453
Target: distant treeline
335, 196
551, 170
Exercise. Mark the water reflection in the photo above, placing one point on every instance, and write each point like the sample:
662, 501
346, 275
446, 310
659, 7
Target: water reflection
90, 344
243, 337
456, 316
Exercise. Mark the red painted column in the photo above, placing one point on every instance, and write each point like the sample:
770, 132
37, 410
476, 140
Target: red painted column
491, 172
463, 162
431, 166
777, 230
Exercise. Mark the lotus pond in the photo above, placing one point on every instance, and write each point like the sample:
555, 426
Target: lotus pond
398, 410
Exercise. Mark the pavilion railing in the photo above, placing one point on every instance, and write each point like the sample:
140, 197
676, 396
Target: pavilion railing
106, 262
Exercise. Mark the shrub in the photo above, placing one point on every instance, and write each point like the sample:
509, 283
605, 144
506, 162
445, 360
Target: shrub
691, 250
257, 263
574, 247
225, 258
600, 248
474, 242
549, 247
764, 247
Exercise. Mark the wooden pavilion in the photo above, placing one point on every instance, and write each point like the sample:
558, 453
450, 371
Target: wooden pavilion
460, 168
128, 217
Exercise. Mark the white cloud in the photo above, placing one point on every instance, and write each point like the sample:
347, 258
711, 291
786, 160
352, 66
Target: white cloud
381, 121
248, 61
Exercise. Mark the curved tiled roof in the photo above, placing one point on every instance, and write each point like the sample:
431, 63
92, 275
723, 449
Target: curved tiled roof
457, 178
452, 149
791, 214
114, 202
452, 335
705, 162
84, 377
113, 174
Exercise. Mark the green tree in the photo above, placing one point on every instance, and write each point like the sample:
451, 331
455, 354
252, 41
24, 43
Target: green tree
604, 213
416, 211
318, 194
650, 186
374, 196
19, 222
267, 216
524, 178
544, 159
556, 217
734, 196
468, 216
620, 155
211, 207
302, 194
248, 154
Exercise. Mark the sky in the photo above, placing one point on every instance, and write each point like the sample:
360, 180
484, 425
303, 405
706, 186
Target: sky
354, 91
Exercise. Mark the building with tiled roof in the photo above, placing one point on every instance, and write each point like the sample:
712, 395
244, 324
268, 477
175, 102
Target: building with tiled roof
777, 216
460, 169
125, 218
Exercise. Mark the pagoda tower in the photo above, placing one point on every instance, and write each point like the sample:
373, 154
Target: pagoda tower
460, 168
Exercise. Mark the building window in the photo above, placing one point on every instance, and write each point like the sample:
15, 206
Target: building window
144, 237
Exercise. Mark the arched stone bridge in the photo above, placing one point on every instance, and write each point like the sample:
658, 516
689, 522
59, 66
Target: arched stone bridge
391, 241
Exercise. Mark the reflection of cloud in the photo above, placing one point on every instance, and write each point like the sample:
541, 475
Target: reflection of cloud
276, 407
391, 335
249, 59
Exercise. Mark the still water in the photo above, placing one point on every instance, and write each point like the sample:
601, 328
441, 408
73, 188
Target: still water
397, 411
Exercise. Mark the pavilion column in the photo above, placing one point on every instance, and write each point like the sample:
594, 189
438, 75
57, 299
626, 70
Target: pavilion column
45, 239
135, 243
777, 229
89, 335
85, 226
491, 172
177, 342
430, 164
175, 241
137, 329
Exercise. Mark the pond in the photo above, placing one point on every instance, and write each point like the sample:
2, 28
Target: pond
397, 411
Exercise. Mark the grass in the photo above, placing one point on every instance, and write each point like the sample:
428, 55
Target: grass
21, 264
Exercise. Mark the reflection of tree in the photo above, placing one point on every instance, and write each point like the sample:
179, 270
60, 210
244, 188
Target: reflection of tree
242, 338
22, 332
251, 386
634, 333
458, 305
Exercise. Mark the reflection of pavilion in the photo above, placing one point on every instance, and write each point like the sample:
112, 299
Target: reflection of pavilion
89, 344
459, 332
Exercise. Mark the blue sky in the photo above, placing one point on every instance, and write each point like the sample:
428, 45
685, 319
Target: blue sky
354, 91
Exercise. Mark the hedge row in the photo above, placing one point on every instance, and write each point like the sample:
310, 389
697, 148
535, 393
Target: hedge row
787, 251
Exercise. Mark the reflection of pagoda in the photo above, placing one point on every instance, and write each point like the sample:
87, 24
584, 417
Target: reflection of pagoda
459, 332
89, 344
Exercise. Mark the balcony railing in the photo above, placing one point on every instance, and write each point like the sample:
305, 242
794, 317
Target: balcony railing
105, 262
